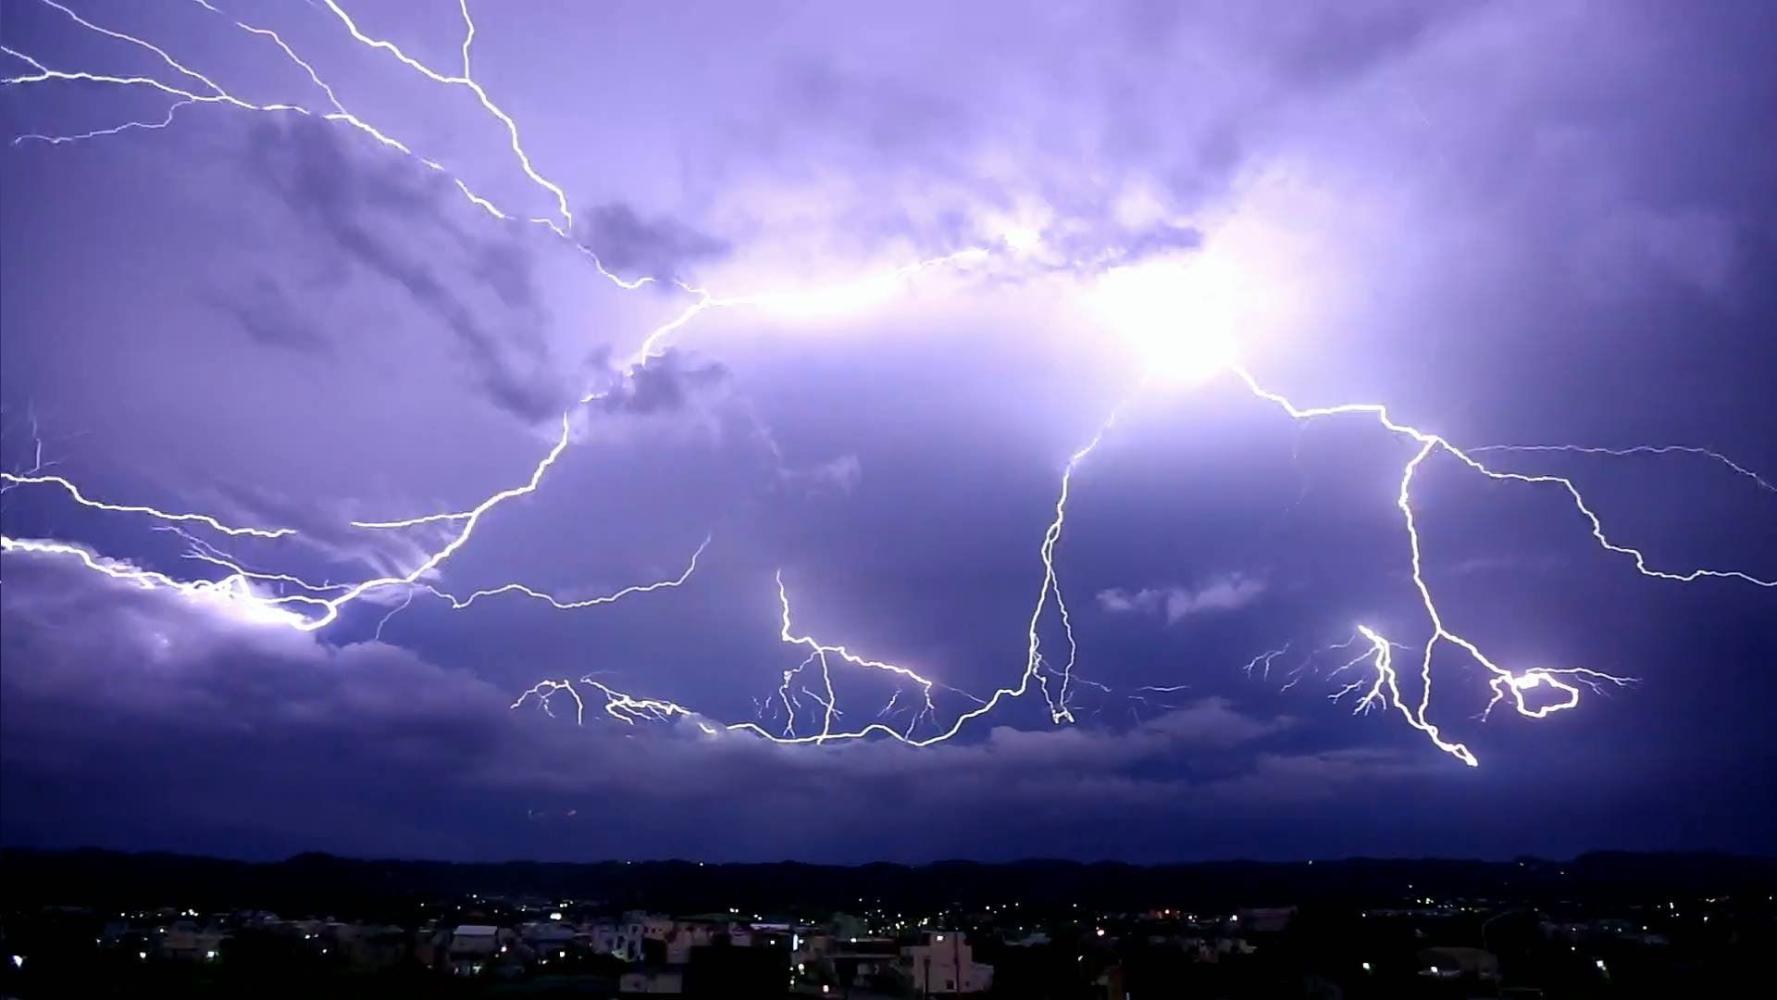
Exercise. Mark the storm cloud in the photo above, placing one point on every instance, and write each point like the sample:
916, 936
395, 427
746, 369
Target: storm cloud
659, 248
1514, 222
385, 218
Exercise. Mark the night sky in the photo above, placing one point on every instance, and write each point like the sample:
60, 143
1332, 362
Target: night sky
1531, 223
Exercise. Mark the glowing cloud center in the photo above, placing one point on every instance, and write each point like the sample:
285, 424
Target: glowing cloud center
1178, 315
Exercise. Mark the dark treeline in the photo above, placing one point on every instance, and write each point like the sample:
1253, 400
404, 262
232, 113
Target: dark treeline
318, 883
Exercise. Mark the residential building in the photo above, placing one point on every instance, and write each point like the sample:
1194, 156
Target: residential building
943, 963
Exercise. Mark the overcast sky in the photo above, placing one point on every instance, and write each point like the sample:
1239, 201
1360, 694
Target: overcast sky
1514, 223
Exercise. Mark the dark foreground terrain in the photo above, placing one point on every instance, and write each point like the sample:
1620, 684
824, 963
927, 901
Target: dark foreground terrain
93, 923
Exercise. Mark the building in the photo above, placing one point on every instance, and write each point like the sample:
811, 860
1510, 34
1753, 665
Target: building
186, 940
866, 963
620, 939
472, 948
727, 972
548, 938
690, 933
645, 982
1447, 963
1265, 920
369, 946
943, 963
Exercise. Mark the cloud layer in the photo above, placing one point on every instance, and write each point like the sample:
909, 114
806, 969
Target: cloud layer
215, 735
1521, 221
1176, 603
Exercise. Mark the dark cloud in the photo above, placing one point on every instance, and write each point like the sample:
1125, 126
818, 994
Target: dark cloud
664, 383
633, 246
265, 312
888, 116
220, 735
325, 531
1517, 221
1327, 46
1090, 242
1176, 603
386, 217
1159, 238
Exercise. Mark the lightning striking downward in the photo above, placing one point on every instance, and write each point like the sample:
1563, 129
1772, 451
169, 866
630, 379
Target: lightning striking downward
1508, 686
73, 491
1669, 449
317, 606
1034, 669
290, 600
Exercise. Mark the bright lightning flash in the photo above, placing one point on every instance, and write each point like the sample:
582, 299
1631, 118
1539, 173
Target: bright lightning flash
1178, 316
246, 587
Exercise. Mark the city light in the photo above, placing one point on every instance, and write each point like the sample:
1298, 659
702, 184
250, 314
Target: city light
666, 474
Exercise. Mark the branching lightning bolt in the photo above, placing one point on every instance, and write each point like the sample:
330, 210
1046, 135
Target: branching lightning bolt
1643, 449
459, 603
82, 499
265, 597
819, 652
324, 610
1263, 661
1507, 686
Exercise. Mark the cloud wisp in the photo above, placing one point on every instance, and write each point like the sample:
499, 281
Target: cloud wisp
1175, 603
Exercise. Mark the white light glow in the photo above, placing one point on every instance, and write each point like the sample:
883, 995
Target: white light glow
1021, 239
1180, 316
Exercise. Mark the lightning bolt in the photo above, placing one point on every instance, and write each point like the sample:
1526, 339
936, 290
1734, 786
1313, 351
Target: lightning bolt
1431, 442
1263, 661
459, 603
248, 592
1050, 589
238, 584
1642, 449
199, 550
213, 93
326, 609
1384, 689
819, 652
82, 499
1507, 685
232, 594
397, 609
98, 133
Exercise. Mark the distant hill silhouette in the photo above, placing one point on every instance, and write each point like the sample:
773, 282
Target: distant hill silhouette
320, 883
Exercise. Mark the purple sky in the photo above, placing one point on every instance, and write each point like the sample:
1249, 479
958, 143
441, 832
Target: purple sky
1514, 223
